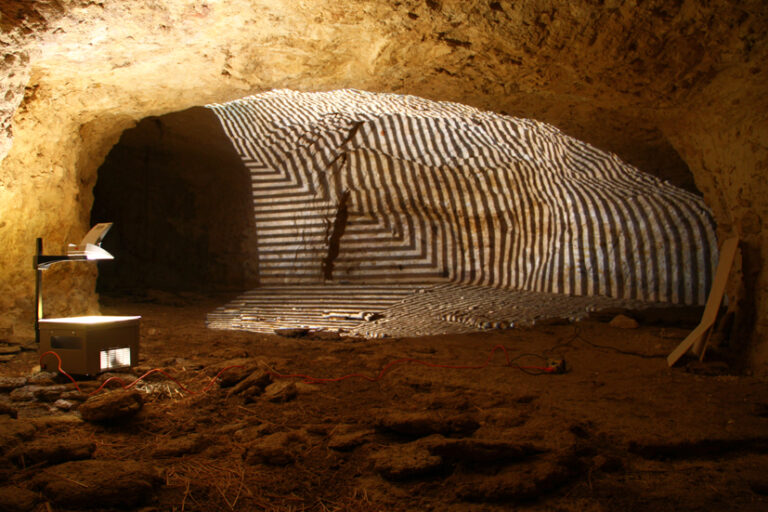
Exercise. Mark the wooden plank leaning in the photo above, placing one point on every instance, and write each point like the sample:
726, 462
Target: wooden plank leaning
696, 338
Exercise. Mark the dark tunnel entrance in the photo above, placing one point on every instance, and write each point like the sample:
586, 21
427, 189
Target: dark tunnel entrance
179, 198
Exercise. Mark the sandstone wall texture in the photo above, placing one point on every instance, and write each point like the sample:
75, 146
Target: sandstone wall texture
663, 84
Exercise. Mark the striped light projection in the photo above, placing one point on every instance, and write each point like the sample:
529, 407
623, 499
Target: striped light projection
352, 188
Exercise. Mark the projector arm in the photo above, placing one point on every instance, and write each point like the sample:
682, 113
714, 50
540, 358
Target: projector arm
39, 266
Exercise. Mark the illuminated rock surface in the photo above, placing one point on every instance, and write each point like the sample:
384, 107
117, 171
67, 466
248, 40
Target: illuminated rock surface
667, 86
350, 186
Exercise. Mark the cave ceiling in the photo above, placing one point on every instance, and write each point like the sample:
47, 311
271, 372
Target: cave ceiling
606, 72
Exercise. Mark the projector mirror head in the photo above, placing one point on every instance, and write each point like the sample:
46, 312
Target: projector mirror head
88, 252
88, 249
96, 234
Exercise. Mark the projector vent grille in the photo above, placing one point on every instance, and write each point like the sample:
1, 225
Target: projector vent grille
115, 358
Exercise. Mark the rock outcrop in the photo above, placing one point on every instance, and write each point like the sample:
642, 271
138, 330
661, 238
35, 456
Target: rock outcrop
381, 188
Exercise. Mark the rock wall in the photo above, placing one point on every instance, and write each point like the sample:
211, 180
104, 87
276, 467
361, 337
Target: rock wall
728, 153
350, 186
646, 80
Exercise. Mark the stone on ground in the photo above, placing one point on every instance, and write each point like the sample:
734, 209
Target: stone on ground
17, 499
280, 392
349, 437
184, 445
51, 451
290, 332
7, 410
482, 450
65, 405
520, 482
279, 449
14, 431
420, 424
51, 393
11, 383
624, 322
112, 405
406, 461
240, 369
24, 393
98, 483
253, 384
42, 378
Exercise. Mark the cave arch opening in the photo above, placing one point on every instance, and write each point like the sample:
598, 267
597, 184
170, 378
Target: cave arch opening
178, 196
179, 191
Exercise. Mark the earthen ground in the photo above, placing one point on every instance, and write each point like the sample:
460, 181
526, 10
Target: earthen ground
618, 431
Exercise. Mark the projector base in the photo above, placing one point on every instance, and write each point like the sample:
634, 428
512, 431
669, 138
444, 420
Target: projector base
89, 345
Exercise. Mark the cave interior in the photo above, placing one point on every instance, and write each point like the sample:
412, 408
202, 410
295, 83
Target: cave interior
391, 256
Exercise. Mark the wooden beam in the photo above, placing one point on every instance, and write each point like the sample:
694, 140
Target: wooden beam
696, 338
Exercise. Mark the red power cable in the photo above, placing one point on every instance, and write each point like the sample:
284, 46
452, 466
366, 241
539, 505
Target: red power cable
308, 378
129, 386
319, 380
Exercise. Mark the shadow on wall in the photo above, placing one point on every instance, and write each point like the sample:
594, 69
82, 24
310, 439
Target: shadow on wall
179, 196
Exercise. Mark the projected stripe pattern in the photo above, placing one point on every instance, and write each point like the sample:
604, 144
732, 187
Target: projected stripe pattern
377, 311
457, 308
359, 187
318, 306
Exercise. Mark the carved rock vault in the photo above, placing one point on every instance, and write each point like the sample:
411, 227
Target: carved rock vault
675, 88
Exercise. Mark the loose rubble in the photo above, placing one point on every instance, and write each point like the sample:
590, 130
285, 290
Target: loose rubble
419, 439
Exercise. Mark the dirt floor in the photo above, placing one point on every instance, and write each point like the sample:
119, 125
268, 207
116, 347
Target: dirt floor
617, 431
